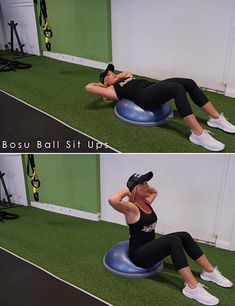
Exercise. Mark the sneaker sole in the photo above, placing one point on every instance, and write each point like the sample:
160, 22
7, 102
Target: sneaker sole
206, 147
216, 127
188, 295
209, 280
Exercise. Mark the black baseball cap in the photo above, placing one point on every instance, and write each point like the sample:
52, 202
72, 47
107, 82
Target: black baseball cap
103, 74
136, 179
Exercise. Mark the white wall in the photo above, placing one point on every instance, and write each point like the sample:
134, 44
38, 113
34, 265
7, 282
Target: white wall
195, 192
2, 32
187, 38
230, 73
21, 12
12, 166
155, 38
226, 220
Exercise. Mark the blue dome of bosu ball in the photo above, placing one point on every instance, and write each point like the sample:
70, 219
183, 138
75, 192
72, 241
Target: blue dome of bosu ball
129, 112
117, 261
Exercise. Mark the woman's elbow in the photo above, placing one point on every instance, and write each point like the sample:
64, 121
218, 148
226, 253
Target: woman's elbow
112, 202
88, 87
129, 74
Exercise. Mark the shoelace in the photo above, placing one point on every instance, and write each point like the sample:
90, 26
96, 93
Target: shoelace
202, 285
208, 132
222, 115
204, 131
199, 284
222, 119
217, 271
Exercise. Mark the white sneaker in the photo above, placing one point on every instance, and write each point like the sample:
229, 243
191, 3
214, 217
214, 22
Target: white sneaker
216, 277
200, 294
221, 123
207, 141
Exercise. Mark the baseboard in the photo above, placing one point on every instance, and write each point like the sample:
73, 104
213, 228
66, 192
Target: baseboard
230, 92
75, 60
66, 211
223, 244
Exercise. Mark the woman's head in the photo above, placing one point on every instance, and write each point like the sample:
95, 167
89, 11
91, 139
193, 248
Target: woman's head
138, 185
142, 190
108, 77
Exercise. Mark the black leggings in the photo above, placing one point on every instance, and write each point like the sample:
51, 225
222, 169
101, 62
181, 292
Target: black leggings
158, 93
173, 244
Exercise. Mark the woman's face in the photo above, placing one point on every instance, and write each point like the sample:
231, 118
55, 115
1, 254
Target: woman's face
110, 79
142, 190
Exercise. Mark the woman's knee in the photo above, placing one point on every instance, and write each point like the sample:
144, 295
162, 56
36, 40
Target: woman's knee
179, 88
174, 240
185, 235
191, 84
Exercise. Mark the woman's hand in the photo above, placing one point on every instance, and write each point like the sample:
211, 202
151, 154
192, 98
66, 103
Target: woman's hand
117, 202
124, 75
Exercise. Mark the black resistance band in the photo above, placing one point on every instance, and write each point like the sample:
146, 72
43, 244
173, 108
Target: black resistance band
9, 65
7, 215
35, 182
44, 23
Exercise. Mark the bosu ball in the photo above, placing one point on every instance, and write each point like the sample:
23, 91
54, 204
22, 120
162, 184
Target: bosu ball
117, 261
129, 112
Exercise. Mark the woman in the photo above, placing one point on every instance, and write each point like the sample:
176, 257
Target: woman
148, 94
145, 250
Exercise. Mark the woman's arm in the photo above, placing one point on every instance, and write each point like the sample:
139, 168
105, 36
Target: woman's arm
150, 198
100, 90
106, 100
117, 202
124, 75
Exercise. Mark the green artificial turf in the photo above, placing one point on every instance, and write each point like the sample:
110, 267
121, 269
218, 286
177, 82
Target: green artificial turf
57, 88
73, 249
